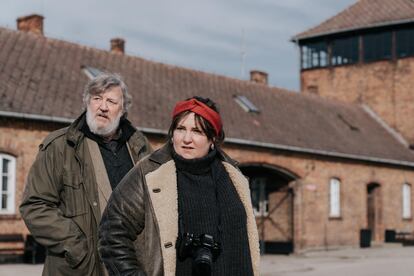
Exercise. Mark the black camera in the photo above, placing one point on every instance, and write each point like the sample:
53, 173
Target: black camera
203, 249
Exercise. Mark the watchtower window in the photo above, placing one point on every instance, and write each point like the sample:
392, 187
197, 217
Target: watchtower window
344, 51
314, 55
405, 43
377, 46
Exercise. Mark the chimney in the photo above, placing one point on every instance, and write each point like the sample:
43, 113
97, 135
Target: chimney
32, 24
117, 46
258, 77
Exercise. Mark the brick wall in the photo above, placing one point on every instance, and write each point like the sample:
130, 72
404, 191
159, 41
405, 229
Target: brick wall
21, 140
385, 86
312, 226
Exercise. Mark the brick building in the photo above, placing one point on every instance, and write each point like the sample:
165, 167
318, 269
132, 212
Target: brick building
365, 55
320, 170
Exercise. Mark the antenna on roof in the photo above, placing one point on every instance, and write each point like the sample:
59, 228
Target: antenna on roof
42, 7
243, 53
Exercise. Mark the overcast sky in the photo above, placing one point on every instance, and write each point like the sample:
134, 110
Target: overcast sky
207, 35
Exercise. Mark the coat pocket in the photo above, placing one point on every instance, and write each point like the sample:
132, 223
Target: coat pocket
74, 197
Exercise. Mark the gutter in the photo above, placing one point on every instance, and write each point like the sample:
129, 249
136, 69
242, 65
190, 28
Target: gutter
383, 24
235, 141
36, 117
65, 120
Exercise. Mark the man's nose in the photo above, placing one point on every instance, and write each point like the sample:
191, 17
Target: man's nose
103, 106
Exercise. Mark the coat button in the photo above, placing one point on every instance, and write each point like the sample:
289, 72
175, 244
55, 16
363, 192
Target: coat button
95, 203
157, 190
168, 244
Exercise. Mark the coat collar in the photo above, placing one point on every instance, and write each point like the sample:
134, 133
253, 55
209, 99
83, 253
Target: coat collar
74, 135
162, 190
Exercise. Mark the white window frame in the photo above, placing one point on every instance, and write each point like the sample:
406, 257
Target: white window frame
406, 201
334, 198
11, 187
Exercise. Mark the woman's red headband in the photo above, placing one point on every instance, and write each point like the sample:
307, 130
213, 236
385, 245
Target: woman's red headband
201, 109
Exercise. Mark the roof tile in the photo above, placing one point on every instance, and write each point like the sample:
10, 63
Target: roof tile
51, 83
363, 14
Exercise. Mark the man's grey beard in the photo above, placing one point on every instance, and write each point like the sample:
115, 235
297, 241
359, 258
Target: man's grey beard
105, 131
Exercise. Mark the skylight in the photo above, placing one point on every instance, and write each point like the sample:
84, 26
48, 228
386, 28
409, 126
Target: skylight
246, 104
91, 72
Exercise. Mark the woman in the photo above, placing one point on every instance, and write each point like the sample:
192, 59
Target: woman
185, 209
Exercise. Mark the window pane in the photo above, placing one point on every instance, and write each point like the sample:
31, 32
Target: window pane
255, 194
377, 46
4, 183
406, 201
245, 103
7, 184
5, 166
259, 195
91, 72
405, 43
334, 198
345, 51
3, 202
314, 55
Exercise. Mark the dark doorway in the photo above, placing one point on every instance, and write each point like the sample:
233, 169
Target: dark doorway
373, 208
272, 201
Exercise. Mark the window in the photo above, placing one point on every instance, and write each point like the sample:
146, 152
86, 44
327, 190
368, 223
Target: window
314, 55
344, 51
406, 201
334, 197
377, 46
91, 72
246, 104
259, 196
405, 43
7, 183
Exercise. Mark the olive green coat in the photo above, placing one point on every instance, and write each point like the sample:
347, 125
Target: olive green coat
61, 205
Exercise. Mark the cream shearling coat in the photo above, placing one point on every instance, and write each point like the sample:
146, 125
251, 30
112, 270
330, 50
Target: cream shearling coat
153, 205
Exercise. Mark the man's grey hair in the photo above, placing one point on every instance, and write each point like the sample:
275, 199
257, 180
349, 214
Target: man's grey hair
101, 83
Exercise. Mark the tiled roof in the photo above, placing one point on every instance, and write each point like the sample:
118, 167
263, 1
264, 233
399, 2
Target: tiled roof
364, 14
43, 76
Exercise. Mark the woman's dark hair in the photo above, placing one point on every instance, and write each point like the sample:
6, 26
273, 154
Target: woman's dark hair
205, 125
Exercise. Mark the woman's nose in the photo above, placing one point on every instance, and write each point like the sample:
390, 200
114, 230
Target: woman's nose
187, 137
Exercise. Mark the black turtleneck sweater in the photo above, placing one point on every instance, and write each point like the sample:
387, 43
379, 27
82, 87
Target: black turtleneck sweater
209, 204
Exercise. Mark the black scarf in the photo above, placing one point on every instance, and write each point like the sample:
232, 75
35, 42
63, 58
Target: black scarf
208, 203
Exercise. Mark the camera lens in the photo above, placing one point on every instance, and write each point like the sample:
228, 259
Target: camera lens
203, 260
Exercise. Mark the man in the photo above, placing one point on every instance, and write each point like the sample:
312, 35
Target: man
74, 174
